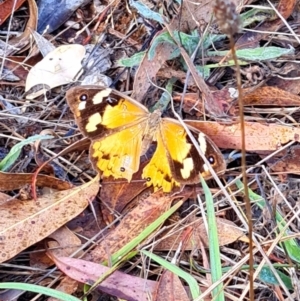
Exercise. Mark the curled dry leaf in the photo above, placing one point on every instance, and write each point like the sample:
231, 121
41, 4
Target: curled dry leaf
62, 242
21, 41
57, 68
24, 223
13, 181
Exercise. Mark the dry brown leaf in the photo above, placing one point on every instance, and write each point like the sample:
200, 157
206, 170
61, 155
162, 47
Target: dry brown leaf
12, 181
67, 285
6, 8
57, 68
270, 96
259, 137
24, 223
170, 288
290, 163
147, 70
132, 225
4, 198
117, 194
228, 232
64, 243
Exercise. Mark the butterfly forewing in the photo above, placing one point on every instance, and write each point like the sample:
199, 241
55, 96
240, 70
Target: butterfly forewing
115, 125
100, 112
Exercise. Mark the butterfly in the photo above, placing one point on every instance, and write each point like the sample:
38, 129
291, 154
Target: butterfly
121, 130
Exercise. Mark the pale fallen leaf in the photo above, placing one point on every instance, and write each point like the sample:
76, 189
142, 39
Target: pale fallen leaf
22, 224
57, 68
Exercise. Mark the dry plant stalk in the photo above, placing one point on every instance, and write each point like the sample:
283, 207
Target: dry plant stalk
229, 22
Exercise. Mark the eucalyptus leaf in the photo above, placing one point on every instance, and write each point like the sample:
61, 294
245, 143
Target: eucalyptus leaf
257, 54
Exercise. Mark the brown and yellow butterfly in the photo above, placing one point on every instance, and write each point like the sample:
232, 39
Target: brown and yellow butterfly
121, 131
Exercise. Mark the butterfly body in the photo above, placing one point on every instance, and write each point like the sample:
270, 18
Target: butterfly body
122, 130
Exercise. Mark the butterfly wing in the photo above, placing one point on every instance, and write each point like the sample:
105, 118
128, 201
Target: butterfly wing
115, 123
176, 160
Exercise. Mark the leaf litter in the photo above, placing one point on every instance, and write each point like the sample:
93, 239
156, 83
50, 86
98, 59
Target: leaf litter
145, 46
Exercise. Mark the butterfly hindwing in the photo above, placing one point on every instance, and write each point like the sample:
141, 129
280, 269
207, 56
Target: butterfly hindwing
176, 160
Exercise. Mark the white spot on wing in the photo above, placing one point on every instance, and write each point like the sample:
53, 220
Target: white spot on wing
94, 120
202, 142
82, 105
188, 166
98, 98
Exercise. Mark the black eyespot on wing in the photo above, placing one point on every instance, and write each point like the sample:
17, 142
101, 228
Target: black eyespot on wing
122, 169
148, 179
83, 97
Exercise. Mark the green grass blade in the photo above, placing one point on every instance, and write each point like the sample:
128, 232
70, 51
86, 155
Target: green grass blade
38, 289
16, 150
190, 280
214, 250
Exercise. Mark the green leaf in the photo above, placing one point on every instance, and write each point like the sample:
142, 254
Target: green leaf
38, 289
132, 61
256, 54
268, 276
16, 150
146, 12
190, 280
